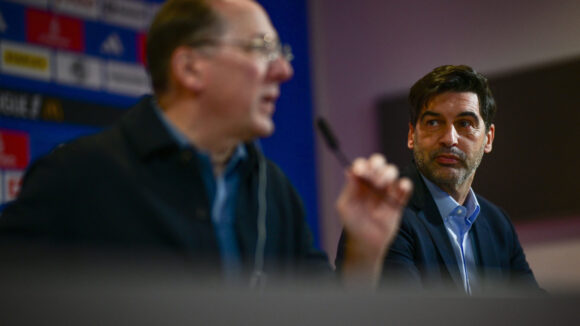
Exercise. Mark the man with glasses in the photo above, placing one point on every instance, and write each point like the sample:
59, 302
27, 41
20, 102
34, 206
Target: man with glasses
180, 173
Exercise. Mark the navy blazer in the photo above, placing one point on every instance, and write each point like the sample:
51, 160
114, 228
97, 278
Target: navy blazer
422, 256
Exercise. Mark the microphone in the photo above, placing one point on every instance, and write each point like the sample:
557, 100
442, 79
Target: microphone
334, 146
331, 141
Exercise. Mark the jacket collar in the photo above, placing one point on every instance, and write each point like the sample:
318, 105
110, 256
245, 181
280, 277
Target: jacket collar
148, 134
145, 131
422, 202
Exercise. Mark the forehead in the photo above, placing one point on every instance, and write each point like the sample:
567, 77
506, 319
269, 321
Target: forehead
453, 103
244, 18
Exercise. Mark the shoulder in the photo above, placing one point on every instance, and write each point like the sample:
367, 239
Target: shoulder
121, 141
276, 173
86, 158
68, 171
490, 209
84, 151
279, 183
495, 218
57, 183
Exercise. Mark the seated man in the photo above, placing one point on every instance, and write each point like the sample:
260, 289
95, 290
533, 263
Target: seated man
179, 173
450, 238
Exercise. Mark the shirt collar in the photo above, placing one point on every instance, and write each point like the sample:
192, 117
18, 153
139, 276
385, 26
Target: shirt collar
174, 132
239, 153
447, 205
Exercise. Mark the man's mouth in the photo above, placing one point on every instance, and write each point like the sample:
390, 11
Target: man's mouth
447, 159
271, 97
269, 101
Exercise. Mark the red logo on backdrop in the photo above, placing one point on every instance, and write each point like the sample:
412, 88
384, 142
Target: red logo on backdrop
53, 30
142, 48
14, 150
12, 185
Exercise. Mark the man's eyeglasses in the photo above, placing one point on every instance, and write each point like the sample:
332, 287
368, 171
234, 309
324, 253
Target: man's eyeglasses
268, 46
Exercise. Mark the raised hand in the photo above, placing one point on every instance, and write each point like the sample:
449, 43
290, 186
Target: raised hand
370, 208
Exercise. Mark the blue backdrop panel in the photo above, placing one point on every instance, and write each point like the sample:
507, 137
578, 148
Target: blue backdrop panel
292, 145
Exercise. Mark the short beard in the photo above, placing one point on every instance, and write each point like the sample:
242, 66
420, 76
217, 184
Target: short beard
446, 182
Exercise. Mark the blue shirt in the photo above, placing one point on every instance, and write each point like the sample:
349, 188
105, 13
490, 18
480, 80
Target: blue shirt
458, 220
222, 192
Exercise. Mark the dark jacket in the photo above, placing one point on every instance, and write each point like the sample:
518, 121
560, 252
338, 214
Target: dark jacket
133, 188
422, 258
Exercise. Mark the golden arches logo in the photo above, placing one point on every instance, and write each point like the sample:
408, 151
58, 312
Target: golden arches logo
52, 110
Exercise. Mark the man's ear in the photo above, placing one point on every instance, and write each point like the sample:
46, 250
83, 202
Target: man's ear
185, 67
411, 137
489, 138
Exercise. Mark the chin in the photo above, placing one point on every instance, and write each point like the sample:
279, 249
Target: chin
266, 133
454, 178
260, 133
265, 128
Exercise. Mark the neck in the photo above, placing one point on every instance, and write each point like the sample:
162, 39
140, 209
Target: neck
459, 192
219, 160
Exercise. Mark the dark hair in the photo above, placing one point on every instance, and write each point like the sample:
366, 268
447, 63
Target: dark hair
178, 22
452, 79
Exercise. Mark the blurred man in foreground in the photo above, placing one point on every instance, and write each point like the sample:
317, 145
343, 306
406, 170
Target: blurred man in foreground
180, 173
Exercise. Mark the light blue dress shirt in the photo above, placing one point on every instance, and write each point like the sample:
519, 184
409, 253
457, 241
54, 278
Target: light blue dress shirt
222, 193
458, 220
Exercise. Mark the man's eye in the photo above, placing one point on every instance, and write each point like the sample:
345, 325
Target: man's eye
465, 123
432, 123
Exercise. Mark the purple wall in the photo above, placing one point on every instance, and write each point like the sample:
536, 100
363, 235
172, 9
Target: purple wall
367, 49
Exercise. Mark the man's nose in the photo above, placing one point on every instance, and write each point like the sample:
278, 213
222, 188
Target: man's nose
450, 136
281, 69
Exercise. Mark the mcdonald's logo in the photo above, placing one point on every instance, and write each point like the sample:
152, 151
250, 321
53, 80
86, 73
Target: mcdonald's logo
52, 110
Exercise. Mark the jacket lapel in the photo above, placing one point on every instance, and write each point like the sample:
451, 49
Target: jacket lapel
246, 208
441, 242
485, 245
145, 131
429, 215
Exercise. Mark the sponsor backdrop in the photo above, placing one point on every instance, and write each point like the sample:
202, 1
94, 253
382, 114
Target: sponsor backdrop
72, 67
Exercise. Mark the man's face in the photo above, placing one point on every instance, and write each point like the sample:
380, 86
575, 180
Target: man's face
242, 84
449, 139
